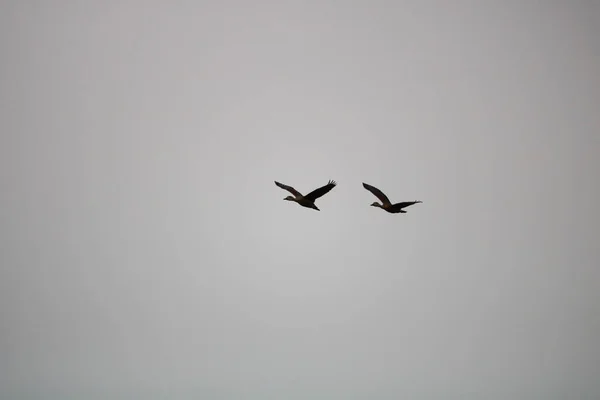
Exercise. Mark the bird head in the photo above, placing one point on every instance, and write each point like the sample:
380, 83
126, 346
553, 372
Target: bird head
375, 204
290, 198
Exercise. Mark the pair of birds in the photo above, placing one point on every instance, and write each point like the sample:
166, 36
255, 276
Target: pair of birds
308, 200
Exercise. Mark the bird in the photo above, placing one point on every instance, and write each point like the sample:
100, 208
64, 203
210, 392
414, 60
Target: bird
386, 204
307, 201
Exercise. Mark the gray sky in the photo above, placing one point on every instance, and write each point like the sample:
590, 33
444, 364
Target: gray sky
146, 253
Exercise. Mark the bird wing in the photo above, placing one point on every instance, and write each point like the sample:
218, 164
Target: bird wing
315, 194
289, 189
378, 193
399, 206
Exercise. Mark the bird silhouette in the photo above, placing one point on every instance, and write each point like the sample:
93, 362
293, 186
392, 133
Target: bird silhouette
307, 201
386, 204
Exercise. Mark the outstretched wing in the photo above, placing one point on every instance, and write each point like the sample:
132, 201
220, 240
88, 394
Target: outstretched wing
399, 206
289, 189
378, 193
315, 194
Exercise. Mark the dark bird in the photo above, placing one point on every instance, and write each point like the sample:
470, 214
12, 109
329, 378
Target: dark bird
386, 204
308, 200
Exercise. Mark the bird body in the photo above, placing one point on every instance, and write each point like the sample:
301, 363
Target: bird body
304, 202
308, 200
386, 204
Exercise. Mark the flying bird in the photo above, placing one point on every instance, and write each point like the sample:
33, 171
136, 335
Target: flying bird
307, 201
386, 204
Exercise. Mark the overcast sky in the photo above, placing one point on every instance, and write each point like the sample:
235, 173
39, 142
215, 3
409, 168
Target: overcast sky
145, 251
